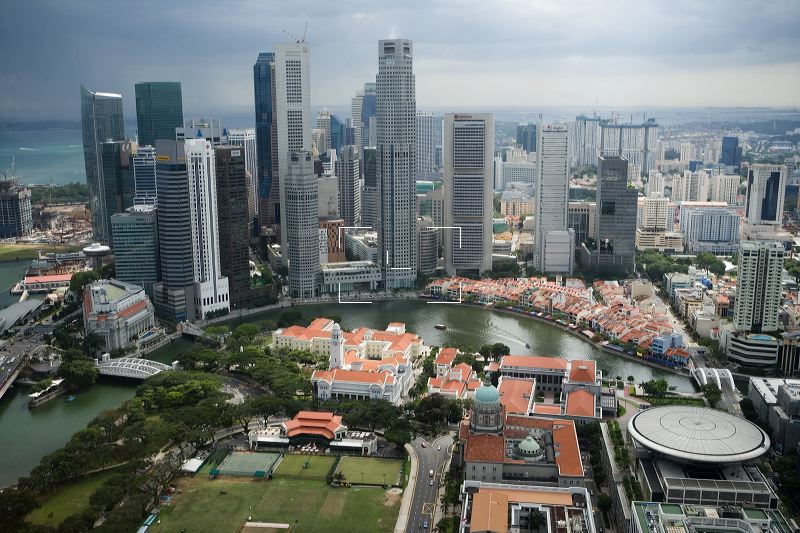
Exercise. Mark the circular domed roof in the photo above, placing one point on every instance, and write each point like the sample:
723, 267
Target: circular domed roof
487, 393
530, 447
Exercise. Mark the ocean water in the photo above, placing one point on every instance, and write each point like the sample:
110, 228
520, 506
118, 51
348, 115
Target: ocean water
44, 156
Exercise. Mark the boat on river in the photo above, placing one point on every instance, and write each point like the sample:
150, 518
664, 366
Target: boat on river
441, 327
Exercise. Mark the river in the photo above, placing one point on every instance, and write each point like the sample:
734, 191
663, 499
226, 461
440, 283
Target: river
26, 435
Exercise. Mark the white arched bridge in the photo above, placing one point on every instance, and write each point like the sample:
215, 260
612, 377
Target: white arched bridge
130, 367
718, 376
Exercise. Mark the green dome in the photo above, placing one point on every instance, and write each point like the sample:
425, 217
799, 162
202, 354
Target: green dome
487, 393
529, 447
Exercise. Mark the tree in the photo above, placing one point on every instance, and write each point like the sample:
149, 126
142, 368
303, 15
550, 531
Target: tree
604, 503
15, 504
78, 373
631, 379
712, 393
656, 387
80, 279
499, 350
244, 412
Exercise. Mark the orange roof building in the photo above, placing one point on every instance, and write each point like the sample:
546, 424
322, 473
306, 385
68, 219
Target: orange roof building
320, 428
118, 313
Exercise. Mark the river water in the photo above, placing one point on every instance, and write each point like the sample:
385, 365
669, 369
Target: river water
26, 435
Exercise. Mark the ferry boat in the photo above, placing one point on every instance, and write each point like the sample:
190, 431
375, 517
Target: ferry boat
440, 327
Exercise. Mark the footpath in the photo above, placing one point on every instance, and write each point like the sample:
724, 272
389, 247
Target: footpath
408, 493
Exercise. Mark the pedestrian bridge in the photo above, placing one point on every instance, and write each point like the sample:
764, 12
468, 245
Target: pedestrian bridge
718, 376
130, 367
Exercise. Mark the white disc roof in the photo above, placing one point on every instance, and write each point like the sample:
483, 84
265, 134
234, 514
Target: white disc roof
698, 434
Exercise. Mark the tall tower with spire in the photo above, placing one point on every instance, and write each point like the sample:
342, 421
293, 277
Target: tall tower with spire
337, 348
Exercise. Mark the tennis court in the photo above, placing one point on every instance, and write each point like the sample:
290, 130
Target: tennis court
305, 466
247, 463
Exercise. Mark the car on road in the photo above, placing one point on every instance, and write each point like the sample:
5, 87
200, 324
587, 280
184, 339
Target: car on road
425, 525
430, 473
424, 445
431, 483
439, 448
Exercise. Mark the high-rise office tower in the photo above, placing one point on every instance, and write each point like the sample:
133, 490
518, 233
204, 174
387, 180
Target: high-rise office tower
347, 171
324, 124
159, 110
302, 224
16, 219
526, 136
468, 176
144, 177
758, 286
553, 241
396, 144
586, 140
428, 239
731, 154
292, 114
246, 140
356, 107
264, 85
209, 129
766, 185
234, 221
614, 248
135, 245
338, 133
117, 179
211, 292
368, 115
370, 195
101, 121
425, 145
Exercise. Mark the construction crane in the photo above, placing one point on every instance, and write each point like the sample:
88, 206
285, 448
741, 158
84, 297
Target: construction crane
295, 38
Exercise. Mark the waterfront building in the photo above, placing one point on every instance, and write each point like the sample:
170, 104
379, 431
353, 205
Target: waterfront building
468, 157
350, 276
300, 191
16, 219
101, 121
159, 110
135, 245
119, 313
454, 381
396, 150
428, 239
614, 247
586, 140
526, 136
347, 171
234, 220
758, 286
245, 139
554, 242
370, 192
266, 139
425, 145
293, 118
118, 189
731, 154
144, 176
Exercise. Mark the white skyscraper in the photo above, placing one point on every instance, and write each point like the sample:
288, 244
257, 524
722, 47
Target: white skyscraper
758, 286
210, 292
144, 176
356, 107
586, 140
292, 114
302, 225
766, 185
324, 123
655, 183
246, 138
554, 243
347, 172
724, 188
396, 147
425, 145
468, 158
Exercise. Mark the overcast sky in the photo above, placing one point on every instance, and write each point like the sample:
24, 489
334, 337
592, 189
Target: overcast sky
524, 53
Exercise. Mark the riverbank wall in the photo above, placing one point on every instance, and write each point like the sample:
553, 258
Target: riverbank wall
46, 397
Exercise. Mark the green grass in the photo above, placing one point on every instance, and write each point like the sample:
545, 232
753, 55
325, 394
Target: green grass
309, 505
67, 501
373, 469
672, 400
26, 252
292, 465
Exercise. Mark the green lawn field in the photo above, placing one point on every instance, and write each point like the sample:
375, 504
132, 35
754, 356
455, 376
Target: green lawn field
67, 501
373, 469
292, 465
224, 504
26, 252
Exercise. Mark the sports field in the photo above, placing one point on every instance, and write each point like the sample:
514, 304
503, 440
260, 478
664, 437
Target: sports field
311, 506
247, 463
375, 470
293, 465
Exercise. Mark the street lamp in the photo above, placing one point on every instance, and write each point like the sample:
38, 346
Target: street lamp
362, 478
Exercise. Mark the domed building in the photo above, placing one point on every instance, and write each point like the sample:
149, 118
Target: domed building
487, 411
529, 449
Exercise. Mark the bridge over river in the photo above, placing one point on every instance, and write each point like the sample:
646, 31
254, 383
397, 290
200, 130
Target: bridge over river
130, 367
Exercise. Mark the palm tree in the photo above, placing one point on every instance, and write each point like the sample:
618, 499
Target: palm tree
338, 477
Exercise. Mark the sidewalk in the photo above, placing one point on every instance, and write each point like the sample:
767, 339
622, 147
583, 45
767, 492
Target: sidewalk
408, 493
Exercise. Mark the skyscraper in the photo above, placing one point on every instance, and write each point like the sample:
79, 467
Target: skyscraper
292, 114
468, 176
263, 85
758, 286
396, 144
526, 136
101, 121
369, 109
234, 220
731, 154
135, 245
117, 179
144, 177
428, 255
586, 140
766, 185
634, 142
338, 133
553, 241
324, 123
370, 194
347, 171
302, 225
356, 107
425, 145
159, 110
246, 140
15, 209
614, 249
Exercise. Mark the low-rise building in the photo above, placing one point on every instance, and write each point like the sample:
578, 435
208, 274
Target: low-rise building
118, 313
320, 428
659, 240
349, 276
457, 381
655, 517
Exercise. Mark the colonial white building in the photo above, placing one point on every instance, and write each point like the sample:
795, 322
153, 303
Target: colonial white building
117, 312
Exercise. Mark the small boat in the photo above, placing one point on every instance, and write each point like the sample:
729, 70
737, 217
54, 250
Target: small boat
527, 345
70, 397
440, 326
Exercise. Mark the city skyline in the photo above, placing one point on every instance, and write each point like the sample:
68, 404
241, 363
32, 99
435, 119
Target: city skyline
661, 57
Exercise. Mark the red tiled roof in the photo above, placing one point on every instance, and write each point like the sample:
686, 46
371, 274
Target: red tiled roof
580, 402
48, 279
131, 310
515, 394
446, 356
546, 409
533, 361
313, 423
582, 371
485, 448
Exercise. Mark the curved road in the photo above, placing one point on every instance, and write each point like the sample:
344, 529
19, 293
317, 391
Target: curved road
426, 496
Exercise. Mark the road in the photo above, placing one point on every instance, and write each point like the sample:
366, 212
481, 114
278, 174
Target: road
432, 456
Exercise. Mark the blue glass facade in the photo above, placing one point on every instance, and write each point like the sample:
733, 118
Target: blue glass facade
159, 110
263, 87
338, 132
731, 154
